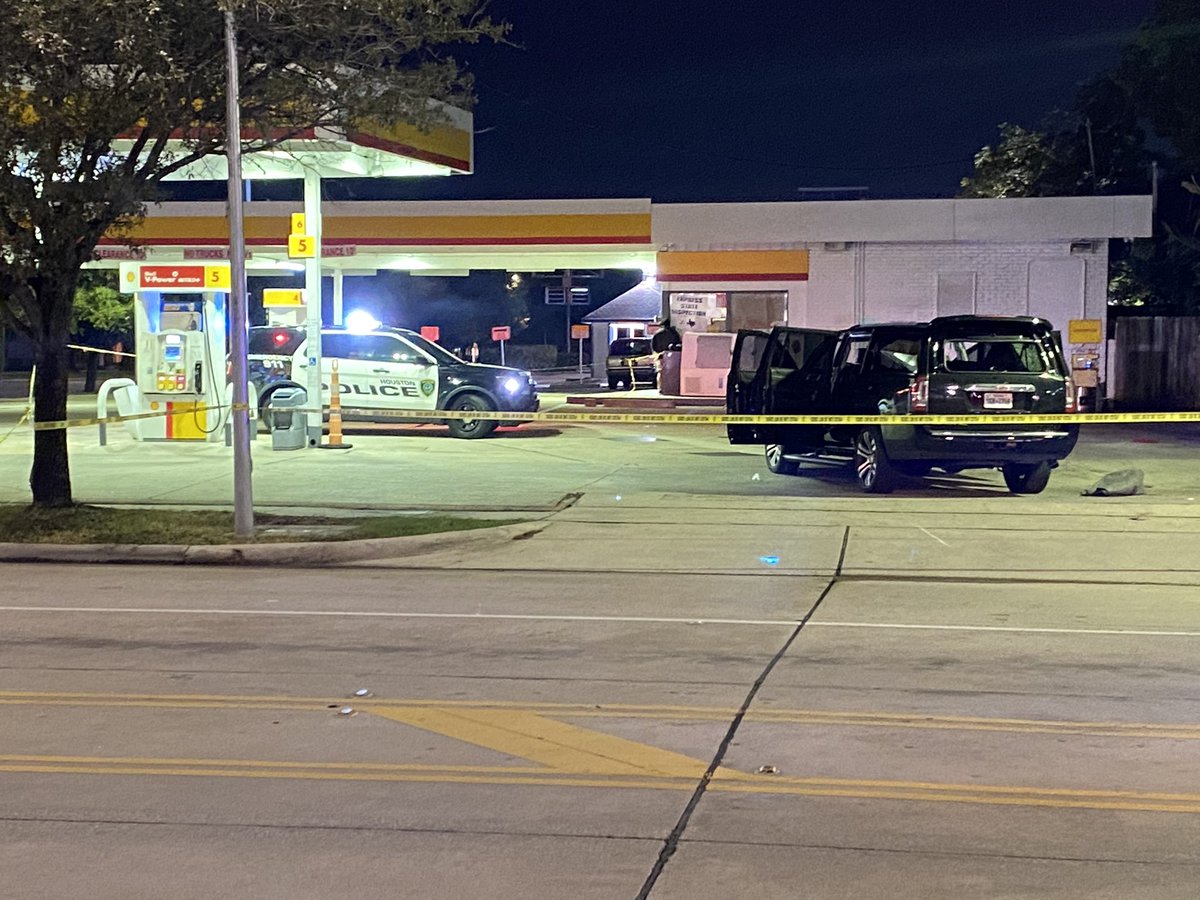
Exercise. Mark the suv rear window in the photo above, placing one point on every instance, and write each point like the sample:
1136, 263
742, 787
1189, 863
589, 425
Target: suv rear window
993, 354
629, 347
275, 341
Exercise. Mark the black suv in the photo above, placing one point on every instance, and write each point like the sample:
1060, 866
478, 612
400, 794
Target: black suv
390, 368
956, 365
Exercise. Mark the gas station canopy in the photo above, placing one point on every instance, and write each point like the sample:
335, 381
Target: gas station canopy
370, 151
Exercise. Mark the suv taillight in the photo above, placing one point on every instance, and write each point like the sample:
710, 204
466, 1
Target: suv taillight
1070, 396
918, 395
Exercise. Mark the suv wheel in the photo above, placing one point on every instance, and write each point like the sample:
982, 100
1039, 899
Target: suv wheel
471, 428
777, 463
871, 463
1027, 479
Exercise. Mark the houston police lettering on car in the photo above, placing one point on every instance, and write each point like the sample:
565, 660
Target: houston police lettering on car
391, 369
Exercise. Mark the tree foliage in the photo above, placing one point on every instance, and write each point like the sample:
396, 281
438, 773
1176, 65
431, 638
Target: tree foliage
1096, 147
100, 306
100, 100
1161, 69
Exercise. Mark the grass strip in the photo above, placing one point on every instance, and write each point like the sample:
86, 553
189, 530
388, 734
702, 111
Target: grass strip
103, 525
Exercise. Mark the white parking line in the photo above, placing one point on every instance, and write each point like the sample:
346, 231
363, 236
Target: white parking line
545, 617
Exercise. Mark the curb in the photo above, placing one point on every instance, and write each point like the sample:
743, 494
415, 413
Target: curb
300, 554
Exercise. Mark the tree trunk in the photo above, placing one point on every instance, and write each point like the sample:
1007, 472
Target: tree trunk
50, 477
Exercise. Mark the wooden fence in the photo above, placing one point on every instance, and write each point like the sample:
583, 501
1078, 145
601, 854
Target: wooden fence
1157, 363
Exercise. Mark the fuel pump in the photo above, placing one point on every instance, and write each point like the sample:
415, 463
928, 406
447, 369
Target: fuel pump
179, 328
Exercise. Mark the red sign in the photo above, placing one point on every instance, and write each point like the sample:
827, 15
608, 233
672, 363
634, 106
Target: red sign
501, 333
580, 332
430, 332
162, 277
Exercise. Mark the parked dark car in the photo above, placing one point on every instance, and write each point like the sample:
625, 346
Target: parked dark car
630, 363
954, 365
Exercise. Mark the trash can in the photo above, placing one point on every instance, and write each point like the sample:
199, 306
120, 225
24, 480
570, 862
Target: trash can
668, 372
288, 422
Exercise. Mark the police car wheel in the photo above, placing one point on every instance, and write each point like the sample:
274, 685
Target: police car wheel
471, 428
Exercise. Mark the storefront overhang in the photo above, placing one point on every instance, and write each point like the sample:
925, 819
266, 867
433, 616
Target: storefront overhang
429, 238
702, 246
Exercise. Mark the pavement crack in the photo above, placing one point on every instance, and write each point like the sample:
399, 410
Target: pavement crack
671, 844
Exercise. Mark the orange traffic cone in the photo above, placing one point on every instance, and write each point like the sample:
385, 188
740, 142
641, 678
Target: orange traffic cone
335, 412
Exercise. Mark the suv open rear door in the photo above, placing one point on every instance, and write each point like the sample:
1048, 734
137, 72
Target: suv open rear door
784, 372
744, 390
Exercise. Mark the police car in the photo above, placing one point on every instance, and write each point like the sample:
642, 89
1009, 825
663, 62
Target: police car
389, 368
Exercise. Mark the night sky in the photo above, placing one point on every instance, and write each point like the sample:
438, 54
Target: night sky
757, 100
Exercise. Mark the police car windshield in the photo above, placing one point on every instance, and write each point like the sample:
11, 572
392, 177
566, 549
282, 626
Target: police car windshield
441, 354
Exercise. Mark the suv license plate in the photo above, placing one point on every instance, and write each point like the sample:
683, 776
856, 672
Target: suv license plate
997, 400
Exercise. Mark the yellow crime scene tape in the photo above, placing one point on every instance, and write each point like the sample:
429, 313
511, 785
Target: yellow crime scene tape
440, 415
61, 424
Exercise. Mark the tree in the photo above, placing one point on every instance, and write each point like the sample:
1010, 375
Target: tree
1016, 166
100, 100
1161, 69
1096, 147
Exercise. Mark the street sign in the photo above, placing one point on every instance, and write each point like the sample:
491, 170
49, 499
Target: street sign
301, 246
430, 332
501, 333
282, 297
580, 332
1084, 331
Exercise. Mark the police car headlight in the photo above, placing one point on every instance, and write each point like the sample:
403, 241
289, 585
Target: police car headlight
511, 385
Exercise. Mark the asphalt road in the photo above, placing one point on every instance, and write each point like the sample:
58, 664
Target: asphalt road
786, 699
699, 680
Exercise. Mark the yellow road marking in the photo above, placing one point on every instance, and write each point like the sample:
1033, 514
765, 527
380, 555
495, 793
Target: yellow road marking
555, 745
725, 782
1183, 731
570, 756
41, 759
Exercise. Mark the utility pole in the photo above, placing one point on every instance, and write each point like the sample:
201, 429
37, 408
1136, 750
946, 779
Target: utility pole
1091, 152
566, 286
243, 497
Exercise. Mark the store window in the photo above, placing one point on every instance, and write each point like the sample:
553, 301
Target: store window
722, 311
761, 310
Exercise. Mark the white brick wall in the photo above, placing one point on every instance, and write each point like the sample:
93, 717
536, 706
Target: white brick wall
900, 281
